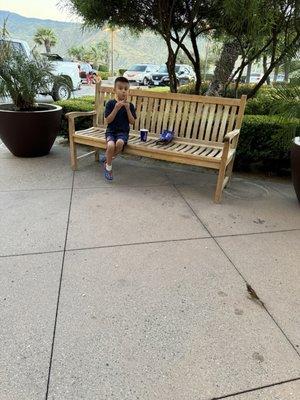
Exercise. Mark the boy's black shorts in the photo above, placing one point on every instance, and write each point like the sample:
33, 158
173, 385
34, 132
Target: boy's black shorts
113, 136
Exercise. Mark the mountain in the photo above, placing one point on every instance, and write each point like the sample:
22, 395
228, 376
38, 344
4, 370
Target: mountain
129, 49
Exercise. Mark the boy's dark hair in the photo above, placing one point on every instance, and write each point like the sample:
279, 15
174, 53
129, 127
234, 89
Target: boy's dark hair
121, 79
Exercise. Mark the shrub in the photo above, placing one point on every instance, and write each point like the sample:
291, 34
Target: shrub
190, 88
80, 104
244, 88
121, 71
265, 139
103, 68
261, 106
104, 75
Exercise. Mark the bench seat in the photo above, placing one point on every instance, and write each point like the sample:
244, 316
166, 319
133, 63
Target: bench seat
191, 153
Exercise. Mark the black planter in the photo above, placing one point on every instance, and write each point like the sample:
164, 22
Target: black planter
295, 163
29, 133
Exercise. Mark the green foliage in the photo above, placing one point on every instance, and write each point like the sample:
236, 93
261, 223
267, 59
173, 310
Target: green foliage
77, 53
96, 53
287, 100
104, 75
230, 92
86, 103
102, 68
46, 37
261, 105
282, 99
265, 139
80, 104
23, 78
161, 89
121, 71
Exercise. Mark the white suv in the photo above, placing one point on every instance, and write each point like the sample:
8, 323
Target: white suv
66, 73
141, 73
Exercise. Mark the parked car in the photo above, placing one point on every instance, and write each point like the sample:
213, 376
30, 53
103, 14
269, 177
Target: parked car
140, 73
66, 72
185, 74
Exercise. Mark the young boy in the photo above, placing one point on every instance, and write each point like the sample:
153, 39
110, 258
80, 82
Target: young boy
119, 113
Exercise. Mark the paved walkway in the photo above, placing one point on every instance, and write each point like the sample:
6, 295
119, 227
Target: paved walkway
137, 289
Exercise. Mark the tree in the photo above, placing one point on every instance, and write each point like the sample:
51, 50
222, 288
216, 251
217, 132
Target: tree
195, 15
224, 67
97, 53
260, 27
77, 53
173, 20
46, 37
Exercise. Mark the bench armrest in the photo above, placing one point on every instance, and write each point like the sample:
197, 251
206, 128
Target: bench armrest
74, 114
230, 135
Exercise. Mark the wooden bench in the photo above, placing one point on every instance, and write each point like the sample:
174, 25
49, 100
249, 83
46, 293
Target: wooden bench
206, 128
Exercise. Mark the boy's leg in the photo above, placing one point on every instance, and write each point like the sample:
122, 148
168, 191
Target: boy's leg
119, 146
110, 150
122, 139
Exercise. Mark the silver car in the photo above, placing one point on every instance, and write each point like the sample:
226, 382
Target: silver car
141, 73
184, 73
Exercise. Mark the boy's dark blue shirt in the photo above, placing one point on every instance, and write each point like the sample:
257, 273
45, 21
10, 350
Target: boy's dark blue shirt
120, 124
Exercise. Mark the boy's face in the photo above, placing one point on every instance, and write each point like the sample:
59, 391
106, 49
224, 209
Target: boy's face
121, 90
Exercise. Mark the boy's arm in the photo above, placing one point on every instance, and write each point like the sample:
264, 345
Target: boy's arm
112, 115
131, 117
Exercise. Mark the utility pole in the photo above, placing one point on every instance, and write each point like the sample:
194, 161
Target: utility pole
206, 59
112, 37
112, 47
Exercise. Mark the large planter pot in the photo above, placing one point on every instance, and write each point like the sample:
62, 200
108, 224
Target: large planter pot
29, 133
295, 163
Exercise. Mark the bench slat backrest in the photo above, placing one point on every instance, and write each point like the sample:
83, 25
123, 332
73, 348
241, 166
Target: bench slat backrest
197, 118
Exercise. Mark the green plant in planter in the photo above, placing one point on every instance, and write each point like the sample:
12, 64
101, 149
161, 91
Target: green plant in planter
22, 78
27, 129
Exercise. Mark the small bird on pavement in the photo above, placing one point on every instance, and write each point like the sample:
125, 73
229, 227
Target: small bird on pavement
253, 294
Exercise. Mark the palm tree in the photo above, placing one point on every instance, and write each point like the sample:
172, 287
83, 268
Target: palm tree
78, 53
46, 37
287, 99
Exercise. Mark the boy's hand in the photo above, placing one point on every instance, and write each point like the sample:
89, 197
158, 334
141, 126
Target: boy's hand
126, 105
119, 105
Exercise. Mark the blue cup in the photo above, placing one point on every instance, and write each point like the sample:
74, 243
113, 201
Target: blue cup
143, 135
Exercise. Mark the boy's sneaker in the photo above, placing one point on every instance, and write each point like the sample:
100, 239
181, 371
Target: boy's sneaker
108, 174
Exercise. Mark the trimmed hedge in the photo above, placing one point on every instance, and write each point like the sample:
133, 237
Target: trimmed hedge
264, 139
242, 89
104, 75
103, 68
262, 104
86, 103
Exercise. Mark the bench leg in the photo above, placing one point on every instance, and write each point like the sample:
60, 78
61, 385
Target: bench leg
73, 152
220, 184
96, 154
229, 169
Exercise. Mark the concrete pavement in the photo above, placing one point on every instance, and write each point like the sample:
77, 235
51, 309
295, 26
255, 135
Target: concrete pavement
137, 289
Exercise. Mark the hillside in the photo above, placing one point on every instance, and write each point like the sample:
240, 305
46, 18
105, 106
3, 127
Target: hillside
129, 49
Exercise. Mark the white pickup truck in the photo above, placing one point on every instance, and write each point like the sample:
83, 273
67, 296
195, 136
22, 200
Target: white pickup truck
66, 73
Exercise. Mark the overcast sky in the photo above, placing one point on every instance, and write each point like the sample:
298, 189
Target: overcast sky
45, 9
